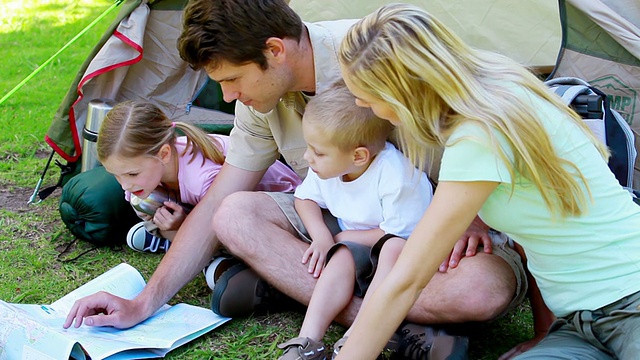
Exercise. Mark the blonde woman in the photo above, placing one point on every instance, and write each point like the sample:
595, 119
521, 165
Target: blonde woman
515, 155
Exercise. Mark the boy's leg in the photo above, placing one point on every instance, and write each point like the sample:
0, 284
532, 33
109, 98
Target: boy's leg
332, 293
386, 259
254, 228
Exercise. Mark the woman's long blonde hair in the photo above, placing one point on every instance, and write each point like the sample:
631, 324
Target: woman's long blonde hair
138, 128
433, 81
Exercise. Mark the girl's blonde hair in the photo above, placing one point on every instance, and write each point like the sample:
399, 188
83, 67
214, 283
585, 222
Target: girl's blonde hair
138, 128
433, 82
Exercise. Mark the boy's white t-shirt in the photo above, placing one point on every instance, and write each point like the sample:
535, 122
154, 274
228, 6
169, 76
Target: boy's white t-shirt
391, 195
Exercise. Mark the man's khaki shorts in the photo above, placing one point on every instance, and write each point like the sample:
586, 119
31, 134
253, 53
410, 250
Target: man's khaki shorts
502, 245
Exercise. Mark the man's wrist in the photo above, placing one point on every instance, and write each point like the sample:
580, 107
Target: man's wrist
143, 307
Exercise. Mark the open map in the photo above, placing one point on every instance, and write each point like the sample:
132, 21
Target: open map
35, 331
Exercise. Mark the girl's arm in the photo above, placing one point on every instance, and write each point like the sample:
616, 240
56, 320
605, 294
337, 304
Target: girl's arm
454, 206
311, 216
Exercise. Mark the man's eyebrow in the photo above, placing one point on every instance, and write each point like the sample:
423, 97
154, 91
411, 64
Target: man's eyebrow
227, 78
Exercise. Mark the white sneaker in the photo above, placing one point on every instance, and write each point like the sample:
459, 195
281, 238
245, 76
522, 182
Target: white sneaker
140, 240
216, 267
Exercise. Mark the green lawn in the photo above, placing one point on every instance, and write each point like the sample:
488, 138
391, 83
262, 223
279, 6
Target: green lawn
31, 237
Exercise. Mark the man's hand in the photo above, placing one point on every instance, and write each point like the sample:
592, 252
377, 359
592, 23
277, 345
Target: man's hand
170, 216
104, 309
477, 233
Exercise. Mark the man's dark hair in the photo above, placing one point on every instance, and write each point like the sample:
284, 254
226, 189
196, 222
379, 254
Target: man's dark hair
234, 30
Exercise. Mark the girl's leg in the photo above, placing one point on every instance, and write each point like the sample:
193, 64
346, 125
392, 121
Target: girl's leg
332, 294
387, 258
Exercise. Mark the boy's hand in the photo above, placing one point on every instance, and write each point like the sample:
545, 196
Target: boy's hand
170, 216
316, 255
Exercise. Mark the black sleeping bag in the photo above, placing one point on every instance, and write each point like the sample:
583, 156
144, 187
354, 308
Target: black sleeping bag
93, 207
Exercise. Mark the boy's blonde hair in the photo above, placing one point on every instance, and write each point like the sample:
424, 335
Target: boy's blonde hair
138, 128
347, 125
433, 82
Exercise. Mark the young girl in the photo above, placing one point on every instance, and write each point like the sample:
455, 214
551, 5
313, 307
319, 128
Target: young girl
518, 157
139, 145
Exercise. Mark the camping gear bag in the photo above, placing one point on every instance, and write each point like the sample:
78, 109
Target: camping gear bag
601, 44
607, 124
93, 207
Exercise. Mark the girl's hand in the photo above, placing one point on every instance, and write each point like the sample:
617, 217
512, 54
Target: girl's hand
170, 216
316, 255
143, 216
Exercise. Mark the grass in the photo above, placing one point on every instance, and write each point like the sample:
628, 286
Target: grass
32, 237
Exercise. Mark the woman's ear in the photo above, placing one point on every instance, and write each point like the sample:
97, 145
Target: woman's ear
361, 156
165, 153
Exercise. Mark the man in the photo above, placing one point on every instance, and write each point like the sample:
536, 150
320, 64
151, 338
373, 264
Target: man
266, 58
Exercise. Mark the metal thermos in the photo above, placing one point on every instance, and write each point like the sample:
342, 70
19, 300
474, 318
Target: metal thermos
97, 110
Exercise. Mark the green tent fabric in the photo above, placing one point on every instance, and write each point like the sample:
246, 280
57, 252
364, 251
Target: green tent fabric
137, 58
601, 44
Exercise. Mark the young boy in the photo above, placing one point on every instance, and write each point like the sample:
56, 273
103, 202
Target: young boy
376, 194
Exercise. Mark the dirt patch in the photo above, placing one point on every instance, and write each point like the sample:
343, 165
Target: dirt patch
15, 199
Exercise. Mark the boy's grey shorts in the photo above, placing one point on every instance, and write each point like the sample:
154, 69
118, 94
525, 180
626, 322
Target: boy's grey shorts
365, 259
502, 245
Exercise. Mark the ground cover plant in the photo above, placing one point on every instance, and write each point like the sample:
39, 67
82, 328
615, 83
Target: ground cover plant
32, 237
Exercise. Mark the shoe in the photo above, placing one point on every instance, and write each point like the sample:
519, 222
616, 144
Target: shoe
140, 240
303, 348
420, 342
240, 292
217, 267
337, 347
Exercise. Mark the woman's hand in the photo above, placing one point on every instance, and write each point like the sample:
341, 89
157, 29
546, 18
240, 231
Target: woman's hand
170, 216
477, 233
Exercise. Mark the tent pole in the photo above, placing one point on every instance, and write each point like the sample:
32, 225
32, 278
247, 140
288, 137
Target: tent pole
32, 199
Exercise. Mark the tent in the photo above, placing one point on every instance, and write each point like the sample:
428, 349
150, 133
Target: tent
137, 56
601, 44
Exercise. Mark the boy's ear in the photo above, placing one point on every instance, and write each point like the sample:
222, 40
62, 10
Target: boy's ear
165, 153
361, 156
276, 48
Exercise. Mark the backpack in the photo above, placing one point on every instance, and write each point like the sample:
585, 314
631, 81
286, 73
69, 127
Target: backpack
607, 124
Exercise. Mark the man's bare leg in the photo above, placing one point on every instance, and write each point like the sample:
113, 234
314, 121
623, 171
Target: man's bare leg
254, 229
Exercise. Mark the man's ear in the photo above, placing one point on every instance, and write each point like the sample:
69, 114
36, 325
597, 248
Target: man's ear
361, 156
276, 48
165, 153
